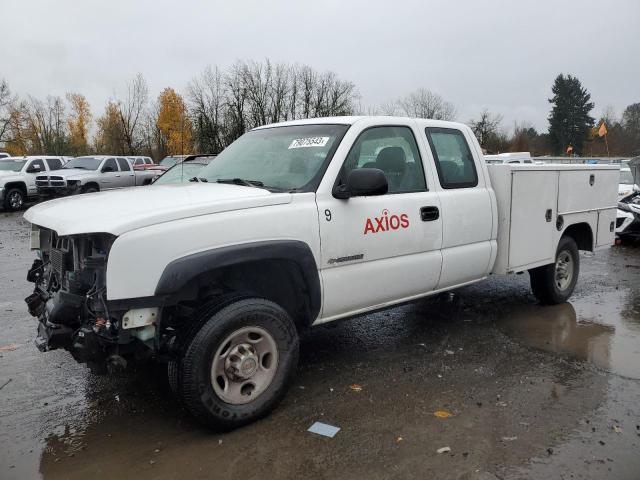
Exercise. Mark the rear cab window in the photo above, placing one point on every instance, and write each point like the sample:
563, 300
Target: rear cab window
54, 163
452, 155
124, 164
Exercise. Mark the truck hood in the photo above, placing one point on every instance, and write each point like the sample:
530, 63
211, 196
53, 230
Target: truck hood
71, 172
120, 211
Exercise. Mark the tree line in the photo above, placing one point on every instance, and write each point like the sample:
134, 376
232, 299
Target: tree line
219, 105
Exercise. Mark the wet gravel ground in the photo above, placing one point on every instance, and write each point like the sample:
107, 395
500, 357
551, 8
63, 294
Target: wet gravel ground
534, 392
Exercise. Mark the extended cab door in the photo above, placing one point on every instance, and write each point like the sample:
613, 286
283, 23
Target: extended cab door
127, 176
382, 249
467, 206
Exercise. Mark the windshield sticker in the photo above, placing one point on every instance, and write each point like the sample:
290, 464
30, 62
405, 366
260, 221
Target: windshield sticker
309, 142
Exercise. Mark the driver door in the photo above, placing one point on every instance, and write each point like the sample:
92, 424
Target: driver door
34, 168
378, 250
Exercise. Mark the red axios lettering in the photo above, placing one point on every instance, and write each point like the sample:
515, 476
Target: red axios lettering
386, 223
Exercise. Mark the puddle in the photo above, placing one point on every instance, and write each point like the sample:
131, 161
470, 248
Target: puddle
603, 329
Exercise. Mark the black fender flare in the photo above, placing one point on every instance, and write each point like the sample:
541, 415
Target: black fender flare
178, 273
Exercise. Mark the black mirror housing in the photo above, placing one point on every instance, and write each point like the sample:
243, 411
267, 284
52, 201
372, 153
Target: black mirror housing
363, 182
107, 170
34, 169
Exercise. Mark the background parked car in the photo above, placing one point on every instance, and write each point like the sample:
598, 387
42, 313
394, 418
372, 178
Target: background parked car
169, 161
185, 171
627, 184
4, 155
142, 163
92, 174
18, 178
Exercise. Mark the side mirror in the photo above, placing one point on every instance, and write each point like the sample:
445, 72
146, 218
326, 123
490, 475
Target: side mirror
34, 169
107, 169
362, 182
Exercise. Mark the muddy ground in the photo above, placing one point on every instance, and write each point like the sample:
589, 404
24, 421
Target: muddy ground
534, 392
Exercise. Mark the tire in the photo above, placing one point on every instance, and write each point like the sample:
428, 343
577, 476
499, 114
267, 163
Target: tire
548, 284
14, 199
239, 365
90, 189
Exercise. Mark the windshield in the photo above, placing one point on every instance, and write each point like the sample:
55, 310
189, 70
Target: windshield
169, 161
86, 163
281, 158
626, 178
12, 165
180, 173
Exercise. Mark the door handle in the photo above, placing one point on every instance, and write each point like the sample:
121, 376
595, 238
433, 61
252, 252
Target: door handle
429, 214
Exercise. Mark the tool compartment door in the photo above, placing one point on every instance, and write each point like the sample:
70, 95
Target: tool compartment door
533, 211
583, 189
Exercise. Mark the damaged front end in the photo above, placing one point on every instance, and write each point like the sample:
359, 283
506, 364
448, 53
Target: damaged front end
70, 303
628, 223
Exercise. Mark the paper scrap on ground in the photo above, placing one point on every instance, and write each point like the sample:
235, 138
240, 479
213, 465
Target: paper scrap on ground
442, 414
444, 450
324, 429
355, 387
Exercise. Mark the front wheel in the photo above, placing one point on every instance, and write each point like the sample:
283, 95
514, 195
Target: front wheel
239, 365
554, 283
14, 199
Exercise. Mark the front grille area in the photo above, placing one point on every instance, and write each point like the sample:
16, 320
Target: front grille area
58, 260
53, 181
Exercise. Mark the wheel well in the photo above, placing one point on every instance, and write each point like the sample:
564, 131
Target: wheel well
581, 234
91, 184
279, 280
19, 185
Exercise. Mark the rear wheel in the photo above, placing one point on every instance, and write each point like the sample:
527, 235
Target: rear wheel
14, 199
239, 365
554, 283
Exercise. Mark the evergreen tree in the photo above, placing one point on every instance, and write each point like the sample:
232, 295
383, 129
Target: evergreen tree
569, 122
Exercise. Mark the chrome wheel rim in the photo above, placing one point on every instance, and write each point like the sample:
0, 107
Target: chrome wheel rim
564, 270
15, 200
244, 365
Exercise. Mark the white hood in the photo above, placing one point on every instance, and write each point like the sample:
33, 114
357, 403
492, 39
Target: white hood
127, 209
70, 172
4, 174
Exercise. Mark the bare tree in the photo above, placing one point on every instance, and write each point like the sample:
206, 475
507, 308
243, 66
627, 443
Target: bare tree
423, 103
45, 125
131, 110
486, 127
6, 102
206, 97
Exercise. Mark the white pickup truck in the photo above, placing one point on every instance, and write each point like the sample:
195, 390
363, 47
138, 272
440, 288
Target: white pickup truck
295, 225
92, 174
18, 177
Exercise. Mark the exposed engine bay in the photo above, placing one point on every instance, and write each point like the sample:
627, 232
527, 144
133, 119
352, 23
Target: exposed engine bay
69, 299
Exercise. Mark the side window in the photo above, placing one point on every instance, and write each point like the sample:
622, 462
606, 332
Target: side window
54, 163
148, 161
38, 163
394, 151
110, 163
124, 164
138, 161
454, 162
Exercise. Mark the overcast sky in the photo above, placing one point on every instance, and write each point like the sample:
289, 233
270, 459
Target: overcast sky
502, 55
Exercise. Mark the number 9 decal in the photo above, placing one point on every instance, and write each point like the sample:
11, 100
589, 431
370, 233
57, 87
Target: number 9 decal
327, 214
